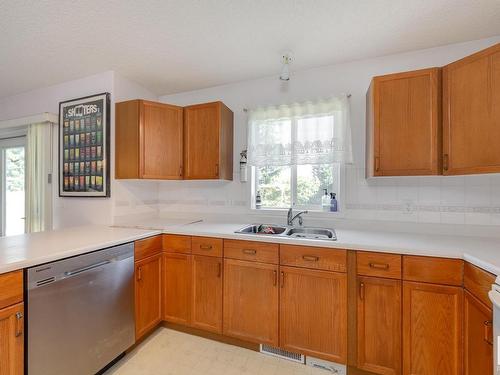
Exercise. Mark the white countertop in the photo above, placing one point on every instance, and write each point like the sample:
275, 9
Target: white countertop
27, 250
23, 251
483, 252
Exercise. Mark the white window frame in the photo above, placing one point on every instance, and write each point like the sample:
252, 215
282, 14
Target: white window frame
293, 181
15, 141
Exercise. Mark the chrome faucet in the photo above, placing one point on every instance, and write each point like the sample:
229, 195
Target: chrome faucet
291, 217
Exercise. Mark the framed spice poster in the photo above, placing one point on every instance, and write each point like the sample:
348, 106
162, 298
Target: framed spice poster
84, 132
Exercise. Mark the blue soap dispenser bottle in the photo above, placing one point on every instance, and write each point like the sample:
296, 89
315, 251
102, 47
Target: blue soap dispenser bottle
333, 203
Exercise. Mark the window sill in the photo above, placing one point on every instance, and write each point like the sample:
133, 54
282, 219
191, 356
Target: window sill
311, 213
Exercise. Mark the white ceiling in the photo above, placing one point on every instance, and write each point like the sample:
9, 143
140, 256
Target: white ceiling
178, 45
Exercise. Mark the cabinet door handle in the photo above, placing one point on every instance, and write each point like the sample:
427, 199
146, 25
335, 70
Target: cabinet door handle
361, 291
377, 163
180, 171
139, 273
219, 271
216, 170
205, 247
311, 258
275, 277
487, 331
380, 266
282, 279
446, 160
249, 251
19, 323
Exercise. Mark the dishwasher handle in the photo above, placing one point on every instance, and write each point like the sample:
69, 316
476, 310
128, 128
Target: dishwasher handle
87, 268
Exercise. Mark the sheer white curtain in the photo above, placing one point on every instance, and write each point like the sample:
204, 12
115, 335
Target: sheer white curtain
38, 168
301, 133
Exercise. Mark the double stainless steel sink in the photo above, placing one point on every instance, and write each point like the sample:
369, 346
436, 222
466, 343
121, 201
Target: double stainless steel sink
272, 230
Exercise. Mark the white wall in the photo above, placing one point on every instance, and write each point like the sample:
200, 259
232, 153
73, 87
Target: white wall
451, 200
127, 197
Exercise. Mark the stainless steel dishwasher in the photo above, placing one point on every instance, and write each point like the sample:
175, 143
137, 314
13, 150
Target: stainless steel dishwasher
80, 313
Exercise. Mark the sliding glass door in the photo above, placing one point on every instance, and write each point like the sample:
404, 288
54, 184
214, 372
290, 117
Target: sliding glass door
13, 182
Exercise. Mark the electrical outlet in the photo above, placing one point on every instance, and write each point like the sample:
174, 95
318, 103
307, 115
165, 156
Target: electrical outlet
408, 207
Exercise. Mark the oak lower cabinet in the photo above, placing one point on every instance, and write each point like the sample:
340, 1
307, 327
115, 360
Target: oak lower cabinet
478, 337
177, 288
12, 340
206, 303
379, 325
432, 329
313, 313
208, 141
147, 294
471, 114
404, 124
148, 140
251, 301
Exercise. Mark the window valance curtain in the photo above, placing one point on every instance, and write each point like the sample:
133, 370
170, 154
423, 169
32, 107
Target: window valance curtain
301, 133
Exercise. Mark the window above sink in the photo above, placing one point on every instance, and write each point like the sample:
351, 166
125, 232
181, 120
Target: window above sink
297, 151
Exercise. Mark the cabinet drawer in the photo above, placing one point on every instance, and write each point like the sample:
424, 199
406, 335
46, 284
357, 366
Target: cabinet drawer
313, 257
207, 246
378, 264
433, 270
173, 243
478, 282
252, 250
148, 247
11, 288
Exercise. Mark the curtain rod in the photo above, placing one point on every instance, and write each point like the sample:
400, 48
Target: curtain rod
246, 109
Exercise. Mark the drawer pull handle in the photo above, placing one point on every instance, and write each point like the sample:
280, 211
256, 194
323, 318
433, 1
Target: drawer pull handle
379, 266
361, 291
205, 247
487, 331
19, 324
311, 258
250, 251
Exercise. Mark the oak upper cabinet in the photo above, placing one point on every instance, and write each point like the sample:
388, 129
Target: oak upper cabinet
313, 313
478, 337
148, 140
471, 113
379, 325
208, 141
177, 285
432, 329
206, 305
12, 340
404, 124
251, 301
147, 294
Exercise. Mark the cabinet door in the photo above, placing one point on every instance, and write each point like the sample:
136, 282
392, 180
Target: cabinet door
478, 336
406, 124
202, 141
161, 141
471, 117
177, 288
206, 304
12, 340
251, 301
313, 313
147, 294
379, 325
432, 329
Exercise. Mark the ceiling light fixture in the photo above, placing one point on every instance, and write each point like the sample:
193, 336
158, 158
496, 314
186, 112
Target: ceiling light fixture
286, 60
